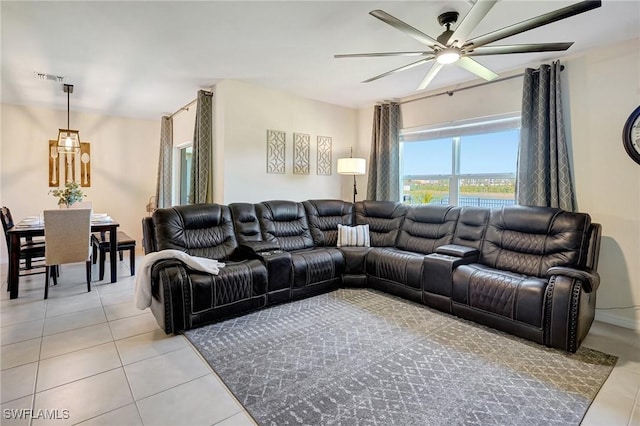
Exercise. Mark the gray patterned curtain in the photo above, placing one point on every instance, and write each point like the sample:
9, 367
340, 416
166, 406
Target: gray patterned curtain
384, 164
201, 190
163, 187
544, 171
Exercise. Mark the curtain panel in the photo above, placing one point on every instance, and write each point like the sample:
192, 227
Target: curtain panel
383, 183
163, 186
544, 175
201, 188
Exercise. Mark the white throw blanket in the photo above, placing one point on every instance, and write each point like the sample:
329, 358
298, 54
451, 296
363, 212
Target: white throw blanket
143, 278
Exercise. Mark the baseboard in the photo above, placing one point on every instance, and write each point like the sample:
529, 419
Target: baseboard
618, 320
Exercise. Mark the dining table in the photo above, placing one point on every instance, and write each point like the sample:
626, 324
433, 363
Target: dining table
35, 228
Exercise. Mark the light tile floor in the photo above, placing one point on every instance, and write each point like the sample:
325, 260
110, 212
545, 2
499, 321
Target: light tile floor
94, 359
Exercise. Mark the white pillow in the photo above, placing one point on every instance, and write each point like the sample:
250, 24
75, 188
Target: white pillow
356, 236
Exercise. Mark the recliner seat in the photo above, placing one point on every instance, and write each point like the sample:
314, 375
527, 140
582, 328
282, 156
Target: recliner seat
184, 298
399, 270
313, 269
506, 289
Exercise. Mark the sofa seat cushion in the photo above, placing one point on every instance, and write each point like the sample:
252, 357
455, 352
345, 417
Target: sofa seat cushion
236, 281
403, 267
507, 294
313, 266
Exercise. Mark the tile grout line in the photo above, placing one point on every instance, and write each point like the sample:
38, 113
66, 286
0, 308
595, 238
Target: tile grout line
243, 409
124, 370
35, 379
634, 407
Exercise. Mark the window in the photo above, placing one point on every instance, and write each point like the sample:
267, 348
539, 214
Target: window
471, 163
185, 174
182, 155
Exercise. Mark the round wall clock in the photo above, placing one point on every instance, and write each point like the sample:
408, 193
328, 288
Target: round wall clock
631, 135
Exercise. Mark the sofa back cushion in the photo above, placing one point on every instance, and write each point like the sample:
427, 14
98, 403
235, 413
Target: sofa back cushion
530, 240
284, 222
245, 222
471, 226
324, 216
203, 230
384, 218
427, 227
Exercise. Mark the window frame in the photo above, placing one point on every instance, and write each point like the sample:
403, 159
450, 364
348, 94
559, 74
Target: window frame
177, 171
456, 130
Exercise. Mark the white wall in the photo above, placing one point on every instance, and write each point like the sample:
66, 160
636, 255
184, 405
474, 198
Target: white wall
124, 159
601, 88
604, 88
244, 114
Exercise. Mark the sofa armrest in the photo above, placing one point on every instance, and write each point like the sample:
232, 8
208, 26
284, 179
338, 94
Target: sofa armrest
254, 249
260, 246
590, 279
169, 280
437, 278
457, 250
277, 262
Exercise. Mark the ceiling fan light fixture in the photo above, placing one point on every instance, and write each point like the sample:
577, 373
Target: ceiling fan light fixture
455, 46
447, 56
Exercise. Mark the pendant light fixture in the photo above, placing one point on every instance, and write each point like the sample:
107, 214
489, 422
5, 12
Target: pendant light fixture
68, 140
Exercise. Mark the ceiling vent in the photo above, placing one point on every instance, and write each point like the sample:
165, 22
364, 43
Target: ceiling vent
50, 77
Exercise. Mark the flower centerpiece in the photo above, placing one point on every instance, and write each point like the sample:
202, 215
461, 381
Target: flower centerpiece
70, 194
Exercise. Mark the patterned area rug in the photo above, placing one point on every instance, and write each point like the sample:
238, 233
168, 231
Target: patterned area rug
360, 357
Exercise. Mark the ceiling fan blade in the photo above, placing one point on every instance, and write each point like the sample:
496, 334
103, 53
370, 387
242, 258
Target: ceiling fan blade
476, 68
536, 22
470, 22
402, 68
405, 28
373, 55
437, 66
519, 48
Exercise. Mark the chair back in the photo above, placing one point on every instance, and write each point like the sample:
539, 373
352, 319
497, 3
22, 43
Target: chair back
67, 234
7, 221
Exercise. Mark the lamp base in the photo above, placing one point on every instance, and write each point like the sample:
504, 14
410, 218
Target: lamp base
355, 189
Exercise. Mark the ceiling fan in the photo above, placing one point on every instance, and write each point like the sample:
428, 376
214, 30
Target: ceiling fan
455, 46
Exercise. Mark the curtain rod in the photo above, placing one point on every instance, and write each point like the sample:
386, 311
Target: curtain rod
186, 107
451, 92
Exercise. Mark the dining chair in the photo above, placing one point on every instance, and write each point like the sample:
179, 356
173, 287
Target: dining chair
67, 233
102, 245
31, 251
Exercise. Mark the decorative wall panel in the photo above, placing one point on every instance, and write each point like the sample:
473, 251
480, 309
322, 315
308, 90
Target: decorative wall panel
276, 140
54, 164
85, 164
69, 166
324, 155
301, 152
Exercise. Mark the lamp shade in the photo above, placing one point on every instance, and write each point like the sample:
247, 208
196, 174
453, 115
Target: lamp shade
352, 166
68, 141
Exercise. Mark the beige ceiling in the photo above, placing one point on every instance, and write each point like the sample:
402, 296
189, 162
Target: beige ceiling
148, 58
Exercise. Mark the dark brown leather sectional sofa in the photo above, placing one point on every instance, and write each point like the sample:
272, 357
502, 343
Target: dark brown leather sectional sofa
529, 271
